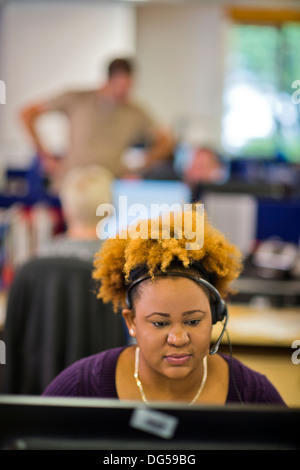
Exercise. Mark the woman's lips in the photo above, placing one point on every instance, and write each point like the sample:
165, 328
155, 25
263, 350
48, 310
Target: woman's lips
178, 359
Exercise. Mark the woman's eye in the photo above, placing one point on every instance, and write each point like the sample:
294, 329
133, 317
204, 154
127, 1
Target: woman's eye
159, 324
193, 322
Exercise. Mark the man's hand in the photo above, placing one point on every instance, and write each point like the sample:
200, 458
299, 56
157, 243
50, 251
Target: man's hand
162, 148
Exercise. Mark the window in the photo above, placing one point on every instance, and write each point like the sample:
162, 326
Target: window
260, 118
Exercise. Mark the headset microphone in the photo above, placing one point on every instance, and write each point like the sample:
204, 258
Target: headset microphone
214, 349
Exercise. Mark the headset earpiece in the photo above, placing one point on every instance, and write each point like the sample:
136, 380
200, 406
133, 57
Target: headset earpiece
218, 310
217, 305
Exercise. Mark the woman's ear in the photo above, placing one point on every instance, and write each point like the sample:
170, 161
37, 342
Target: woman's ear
129, 318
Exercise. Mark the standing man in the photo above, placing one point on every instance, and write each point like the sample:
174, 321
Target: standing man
103, 124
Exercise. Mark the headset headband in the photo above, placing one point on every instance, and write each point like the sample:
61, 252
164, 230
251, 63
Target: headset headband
195, 278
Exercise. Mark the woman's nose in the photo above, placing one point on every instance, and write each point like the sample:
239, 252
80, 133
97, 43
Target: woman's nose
178, 336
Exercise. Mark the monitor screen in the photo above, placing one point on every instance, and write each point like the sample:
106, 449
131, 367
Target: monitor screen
97, 424
144, 199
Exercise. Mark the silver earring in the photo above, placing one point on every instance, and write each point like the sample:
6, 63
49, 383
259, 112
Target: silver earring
131, 331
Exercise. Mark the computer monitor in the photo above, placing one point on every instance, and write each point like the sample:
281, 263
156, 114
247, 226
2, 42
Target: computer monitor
156, 196
97, 424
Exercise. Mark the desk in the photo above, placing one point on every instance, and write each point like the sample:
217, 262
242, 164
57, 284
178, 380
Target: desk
261, 338
263, 326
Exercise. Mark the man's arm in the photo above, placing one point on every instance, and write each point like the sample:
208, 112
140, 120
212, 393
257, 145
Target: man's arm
162, 147
29, 116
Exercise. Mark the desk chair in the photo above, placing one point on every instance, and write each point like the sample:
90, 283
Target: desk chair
53, 319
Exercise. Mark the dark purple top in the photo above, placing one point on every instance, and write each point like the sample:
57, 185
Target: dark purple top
94, 376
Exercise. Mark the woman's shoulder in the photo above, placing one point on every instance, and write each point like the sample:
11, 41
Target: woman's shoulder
249, 386
92, 376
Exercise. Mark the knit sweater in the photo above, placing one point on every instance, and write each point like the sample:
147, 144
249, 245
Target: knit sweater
94, 376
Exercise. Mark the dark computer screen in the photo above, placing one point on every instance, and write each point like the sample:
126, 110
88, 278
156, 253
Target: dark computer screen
97, 424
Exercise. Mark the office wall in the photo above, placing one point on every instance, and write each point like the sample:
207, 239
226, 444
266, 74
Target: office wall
181, 55
47, 46
180, 50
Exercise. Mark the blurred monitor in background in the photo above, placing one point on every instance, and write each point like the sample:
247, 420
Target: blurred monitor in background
144, 198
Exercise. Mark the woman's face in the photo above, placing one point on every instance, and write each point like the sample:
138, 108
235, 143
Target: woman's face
172, 325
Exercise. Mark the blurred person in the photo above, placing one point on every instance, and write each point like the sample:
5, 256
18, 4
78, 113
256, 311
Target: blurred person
170, 296
81, 192
204, 167
103, 124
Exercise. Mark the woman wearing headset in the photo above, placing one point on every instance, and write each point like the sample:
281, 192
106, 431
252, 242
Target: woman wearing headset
170, 297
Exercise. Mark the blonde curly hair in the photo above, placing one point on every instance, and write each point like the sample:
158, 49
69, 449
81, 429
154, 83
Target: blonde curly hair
119, 257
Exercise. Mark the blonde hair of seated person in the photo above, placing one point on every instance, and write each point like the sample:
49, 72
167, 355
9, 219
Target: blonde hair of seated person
83, 190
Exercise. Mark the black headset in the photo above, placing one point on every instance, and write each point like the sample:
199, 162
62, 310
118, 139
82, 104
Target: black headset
218, 307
